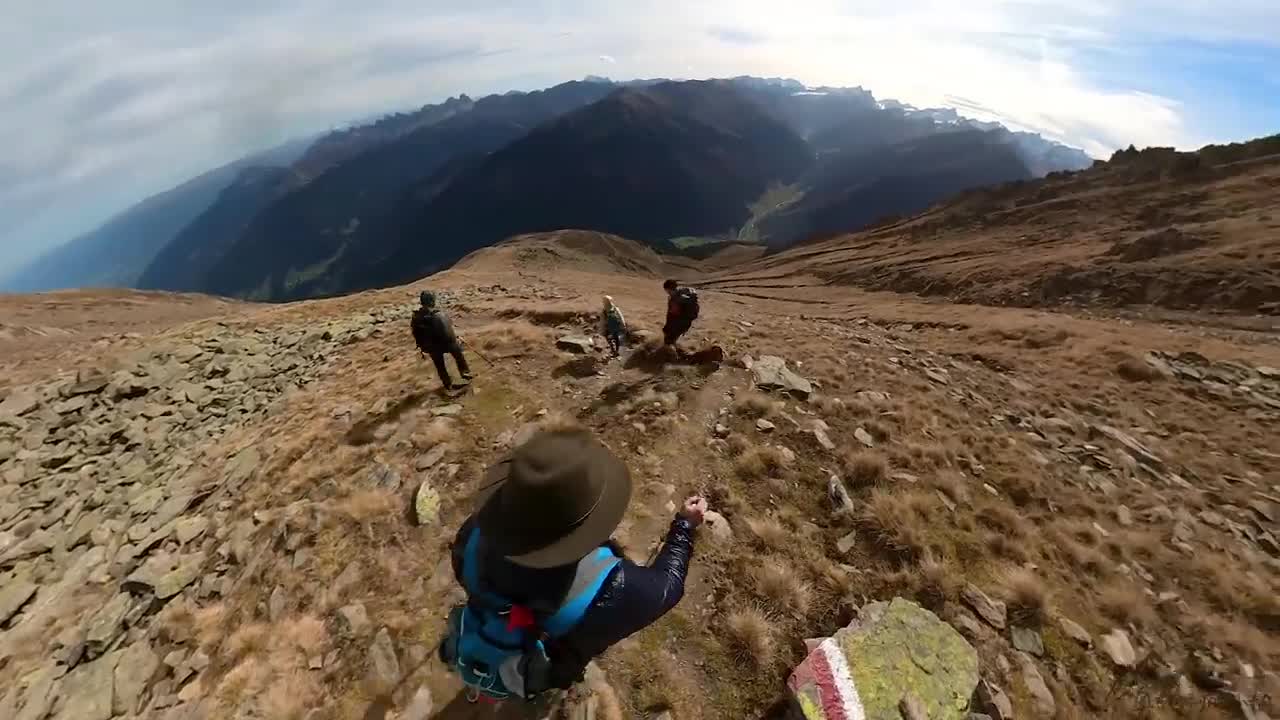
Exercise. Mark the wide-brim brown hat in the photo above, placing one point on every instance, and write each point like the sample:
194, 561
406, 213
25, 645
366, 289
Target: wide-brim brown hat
554, 499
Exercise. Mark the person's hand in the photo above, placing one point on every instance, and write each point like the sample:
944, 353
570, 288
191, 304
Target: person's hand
694, 510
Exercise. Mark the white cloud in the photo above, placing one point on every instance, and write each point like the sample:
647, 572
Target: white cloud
133, 96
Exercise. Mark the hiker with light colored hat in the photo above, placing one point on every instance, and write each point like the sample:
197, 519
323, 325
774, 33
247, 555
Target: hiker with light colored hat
547, 589
613, 325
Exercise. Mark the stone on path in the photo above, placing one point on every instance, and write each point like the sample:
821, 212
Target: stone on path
764, 426
1027, 640
1118, 649
190, 528
420, 706
19, 403
721, 533
1041, 697
90, 690
771, 373
136, 666
106, 624
166, 575
1073, 630
824, 440
577, 344
993, 611
384, 667
839, 495
432, 457
384, 477
14, 594
447, 410
893, 650
864, 437
426, 504
41, 692
355, 620
1139, 451
993, 701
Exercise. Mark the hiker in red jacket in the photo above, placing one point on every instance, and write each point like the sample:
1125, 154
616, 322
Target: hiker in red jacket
682, 310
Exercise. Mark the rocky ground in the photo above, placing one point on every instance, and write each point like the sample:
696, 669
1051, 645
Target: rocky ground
249, 517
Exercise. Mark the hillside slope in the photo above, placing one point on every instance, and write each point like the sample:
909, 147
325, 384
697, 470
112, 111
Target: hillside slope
1177, 230
853, 188
299, 240
218, 518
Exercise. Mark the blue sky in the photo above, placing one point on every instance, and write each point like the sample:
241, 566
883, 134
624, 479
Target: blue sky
107, 102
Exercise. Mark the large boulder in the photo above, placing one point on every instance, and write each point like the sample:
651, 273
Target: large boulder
771, 373
893, 651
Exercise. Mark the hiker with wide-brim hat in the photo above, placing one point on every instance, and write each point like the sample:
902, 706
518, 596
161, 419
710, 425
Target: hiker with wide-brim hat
547, 589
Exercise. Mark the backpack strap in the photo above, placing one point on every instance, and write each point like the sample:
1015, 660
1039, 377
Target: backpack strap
592, 572
590, 576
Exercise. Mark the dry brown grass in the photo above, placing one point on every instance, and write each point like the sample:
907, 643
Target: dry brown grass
290, 694
306, 633
363, 506
558, 422
754, 405
1003, 519
898, 523
780, 585
248, 639
436, 432
772, 534
928, 455
748, 635
1125, 603
880, 431
760, 461
935, 581
1027, 597
864, 469
952, 484
511, 338
1083, 557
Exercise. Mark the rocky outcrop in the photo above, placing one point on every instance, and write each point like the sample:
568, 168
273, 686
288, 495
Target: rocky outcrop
771, 373
894, 651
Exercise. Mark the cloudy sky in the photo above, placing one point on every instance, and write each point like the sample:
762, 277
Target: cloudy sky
103, 103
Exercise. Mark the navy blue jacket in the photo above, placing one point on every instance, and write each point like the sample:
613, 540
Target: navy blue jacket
632, 597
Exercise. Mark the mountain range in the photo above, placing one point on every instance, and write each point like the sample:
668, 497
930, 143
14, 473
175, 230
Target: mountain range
754, 159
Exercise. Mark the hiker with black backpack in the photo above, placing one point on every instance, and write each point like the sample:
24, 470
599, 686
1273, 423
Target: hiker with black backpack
614, 326
434, 336
682, 310
547, 589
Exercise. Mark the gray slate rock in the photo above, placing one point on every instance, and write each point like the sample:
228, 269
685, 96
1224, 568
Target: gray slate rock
276, 604
189, 528
354, 620
721, 533
15, 593
41, 692
136, 666
864, 437
771, 373
432, 457
420, 706
824, 440
166, 575
106, 624
839, 495
384, 667
1027, 640
1116, 646
993, 611
19, 403
1042, 701
993, 701
576, 344
1073, 630
90, 690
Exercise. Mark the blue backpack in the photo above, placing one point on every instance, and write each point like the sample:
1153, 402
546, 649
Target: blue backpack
496, 646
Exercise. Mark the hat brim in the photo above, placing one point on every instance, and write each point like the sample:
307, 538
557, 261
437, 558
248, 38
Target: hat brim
582, 539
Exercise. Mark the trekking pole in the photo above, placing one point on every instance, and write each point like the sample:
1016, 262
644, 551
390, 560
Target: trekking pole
475, 352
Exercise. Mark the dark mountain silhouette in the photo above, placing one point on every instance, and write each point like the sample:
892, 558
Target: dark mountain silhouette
117, 253
648, 159
293, 233
851, 190
646, 163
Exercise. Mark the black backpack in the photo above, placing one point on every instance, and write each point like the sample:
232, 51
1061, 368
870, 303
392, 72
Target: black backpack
427, 331
688, 300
